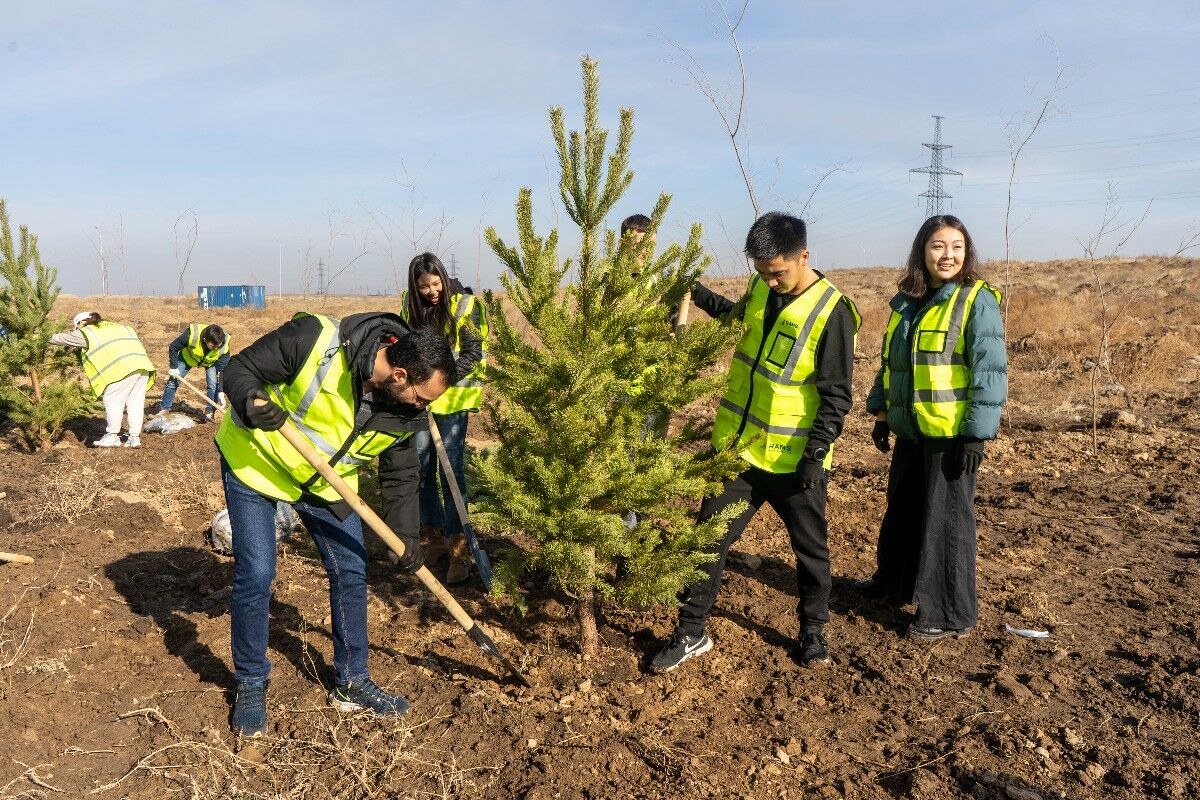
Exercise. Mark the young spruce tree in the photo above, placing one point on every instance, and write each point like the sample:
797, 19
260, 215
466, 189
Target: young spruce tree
575, 373
38, 389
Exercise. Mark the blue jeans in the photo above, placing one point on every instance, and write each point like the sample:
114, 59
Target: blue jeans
340, 543
440, 511
210, 380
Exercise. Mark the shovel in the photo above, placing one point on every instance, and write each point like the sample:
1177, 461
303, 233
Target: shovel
478, 553
476, 633
216, 406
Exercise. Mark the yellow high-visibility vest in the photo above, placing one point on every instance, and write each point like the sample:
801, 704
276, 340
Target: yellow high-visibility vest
113, 352
320, 402
194, 354
941, 377
466, 394
771, 397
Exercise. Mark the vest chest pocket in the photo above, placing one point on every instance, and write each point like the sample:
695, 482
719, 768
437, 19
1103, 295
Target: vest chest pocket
931, 341
781, 350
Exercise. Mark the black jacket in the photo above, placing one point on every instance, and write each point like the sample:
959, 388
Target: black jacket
834, 366
277, 358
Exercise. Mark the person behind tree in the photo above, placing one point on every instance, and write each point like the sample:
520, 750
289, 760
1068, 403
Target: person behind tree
434, 301
357, 389
941, 387
120, 372
635, 227
204, 346
785, 402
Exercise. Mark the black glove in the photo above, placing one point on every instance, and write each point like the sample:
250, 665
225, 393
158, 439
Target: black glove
810, 471
972, 456
266, 416
414, 557
880, 434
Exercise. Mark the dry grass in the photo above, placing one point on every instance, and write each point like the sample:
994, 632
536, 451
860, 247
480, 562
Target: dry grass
331, 757
68, 493
14, 640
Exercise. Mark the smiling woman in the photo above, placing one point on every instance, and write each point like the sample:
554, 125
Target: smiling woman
941, 251
940, 387
439, 304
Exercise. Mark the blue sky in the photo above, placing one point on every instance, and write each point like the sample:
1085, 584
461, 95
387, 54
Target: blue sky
360, 133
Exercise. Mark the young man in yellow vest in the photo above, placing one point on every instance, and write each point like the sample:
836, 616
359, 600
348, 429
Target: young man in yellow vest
785, 402
356, 389
203, 346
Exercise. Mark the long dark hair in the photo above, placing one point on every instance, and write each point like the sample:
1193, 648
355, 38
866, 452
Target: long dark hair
915, 282
420, 314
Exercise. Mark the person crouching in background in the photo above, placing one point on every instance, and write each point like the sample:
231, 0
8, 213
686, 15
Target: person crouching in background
120, 372
204, 346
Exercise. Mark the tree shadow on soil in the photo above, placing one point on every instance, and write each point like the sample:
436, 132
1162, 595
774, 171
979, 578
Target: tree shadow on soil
166, 586
780, 575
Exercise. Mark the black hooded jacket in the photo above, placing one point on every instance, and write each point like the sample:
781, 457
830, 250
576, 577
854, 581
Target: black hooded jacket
278, 357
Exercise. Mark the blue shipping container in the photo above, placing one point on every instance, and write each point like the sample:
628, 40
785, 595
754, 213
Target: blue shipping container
232, 296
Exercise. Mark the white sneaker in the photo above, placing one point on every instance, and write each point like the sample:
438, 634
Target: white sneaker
108, 440
133, 441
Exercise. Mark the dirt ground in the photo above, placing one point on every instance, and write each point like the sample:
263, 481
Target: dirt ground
114, 645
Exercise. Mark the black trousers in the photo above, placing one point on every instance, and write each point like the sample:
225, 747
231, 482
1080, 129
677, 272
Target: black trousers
926, 551
803, 514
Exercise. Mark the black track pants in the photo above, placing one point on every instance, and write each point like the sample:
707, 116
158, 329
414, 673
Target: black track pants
803, 514
926, 548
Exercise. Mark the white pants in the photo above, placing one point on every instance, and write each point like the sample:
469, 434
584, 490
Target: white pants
127, 394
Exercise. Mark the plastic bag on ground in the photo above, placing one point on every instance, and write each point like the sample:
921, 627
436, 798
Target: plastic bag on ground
168, 423
286, 520
220, 532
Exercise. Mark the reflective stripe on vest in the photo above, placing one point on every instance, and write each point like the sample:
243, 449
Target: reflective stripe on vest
941, 377
320, 402
467, 394
113, 352
771, 398
194, 354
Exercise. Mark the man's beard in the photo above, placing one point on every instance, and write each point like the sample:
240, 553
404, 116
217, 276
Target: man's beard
393, 389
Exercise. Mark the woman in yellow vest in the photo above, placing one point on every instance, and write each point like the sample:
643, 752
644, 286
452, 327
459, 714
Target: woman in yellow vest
198, 346
434, 301
940, 388
120, 372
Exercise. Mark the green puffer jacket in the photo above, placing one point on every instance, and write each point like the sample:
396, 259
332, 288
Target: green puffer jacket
985, 355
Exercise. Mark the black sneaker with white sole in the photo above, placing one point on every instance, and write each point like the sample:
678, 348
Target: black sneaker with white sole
367, 696
679, 648
812, 649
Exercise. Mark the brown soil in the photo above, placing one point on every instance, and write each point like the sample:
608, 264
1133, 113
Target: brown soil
114, 644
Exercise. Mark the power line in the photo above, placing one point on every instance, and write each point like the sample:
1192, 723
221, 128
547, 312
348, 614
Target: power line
1004, 178
1108, 144
934, 195
1091, 201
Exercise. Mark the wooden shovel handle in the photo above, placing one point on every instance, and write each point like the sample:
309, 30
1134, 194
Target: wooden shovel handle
373, 520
